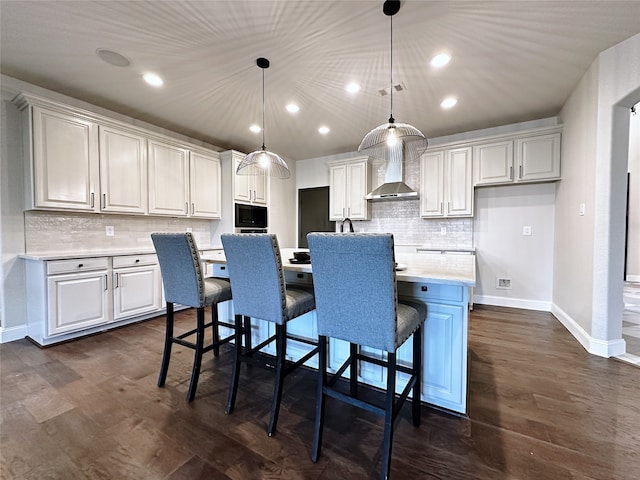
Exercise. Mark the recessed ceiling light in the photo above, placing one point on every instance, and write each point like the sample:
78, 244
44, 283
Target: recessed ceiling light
353, 87
153, 79
293, 108
255, 128
440, 60
448, 102
113, 58
324, 130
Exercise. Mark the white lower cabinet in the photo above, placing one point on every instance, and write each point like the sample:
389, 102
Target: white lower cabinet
76, 297
136, 285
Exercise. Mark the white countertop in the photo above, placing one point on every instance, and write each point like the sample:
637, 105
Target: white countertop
450, 269
46, 256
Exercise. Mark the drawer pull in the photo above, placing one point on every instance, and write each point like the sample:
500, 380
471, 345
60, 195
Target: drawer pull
137, 260
80, 265
424, 288
223, 268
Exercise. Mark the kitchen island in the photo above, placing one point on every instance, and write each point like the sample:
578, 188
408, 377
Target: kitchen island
441, 281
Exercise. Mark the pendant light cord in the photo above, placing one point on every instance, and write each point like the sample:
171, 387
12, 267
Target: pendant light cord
263, 147
391, 119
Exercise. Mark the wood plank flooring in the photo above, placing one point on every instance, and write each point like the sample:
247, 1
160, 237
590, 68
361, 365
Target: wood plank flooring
540, 408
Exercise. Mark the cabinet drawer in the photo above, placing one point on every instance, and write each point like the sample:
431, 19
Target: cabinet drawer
77, 265
134, 260
220, 270
431, 291
299, 278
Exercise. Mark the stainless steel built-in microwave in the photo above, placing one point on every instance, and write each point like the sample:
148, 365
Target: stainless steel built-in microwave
250, 216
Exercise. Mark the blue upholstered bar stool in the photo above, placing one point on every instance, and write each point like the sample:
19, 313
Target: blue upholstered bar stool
185, 284
259, 291
354, 280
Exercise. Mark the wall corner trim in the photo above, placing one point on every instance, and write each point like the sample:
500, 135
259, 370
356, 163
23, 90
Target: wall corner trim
595, 346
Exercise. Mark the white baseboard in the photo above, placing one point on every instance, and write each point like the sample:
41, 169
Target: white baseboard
633, 278
12, 333
602, 348
512, 302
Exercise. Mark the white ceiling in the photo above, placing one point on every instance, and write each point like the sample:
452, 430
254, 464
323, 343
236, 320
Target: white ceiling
512, 61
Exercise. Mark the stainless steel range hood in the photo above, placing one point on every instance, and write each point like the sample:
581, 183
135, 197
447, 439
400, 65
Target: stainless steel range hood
393, 187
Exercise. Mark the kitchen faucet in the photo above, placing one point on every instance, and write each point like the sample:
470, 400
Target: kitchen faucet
347, 219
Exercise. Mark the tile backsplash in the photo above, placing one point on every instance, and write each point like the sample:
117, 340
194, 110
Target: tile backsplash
59, 232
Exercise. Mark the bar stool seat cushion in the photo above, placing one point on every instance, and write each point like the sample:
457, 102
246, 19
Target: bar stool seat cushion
216, 290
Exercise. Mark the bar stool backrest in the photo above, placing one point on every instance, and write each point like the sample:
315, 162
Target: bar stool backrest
355, 287
181, 268
257, 278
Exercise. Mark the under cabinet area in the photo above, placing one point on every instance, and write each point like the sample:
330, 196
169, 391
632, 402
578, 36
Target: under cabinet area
76, 160
446, 183
69, 298
349, 183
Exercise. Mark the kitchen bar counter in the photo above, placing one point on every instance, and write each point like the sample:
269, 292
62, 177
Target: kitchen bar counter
441, 281
449, 269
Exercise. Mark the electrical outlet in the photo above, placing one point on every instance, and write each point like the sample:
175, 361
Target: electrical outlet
526, 230
110, 231
189, 229
503, 283
443, 230
582, 209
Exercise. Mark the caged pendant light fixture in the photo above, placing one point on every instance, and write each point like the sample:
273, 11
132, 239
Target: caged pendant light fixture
263, 162
392, 140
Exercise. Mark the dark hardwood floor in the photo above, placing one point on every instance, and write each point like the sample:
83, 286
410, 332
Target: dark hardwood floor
540, 408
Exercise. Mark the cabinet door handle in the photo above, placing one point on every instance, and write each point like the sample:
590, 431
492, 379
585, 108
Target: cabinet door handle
92, 200
104, 200
520, 173
80, 265
511, 172
343, 215
186, 207
448, 208
193, 208
106, 287
115, 280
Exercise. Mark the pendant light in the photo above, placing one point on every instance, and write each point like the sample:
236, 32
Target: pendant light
263, 162
393, 139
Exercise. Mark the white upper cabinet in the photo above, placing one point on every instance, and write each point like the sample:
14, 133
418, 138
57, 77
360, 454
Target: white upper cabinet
446, 183
528, 157
82, 161
538, 157
349, 183
123, 171
493, 162
205, 181
168, 179
248, 188
64, 161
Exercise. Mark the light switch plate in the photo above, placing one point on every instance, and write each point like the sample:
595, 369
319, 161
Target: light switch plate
110, 231
526, 230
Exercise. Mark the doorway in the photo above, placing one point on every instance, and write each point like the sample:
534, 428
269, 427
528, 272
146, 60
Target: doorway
313, 213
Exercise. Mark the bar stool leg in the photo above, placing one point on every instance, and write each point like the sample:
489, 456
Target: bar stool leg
216, 329
168, 342
320, 398
197, 360
353, 370
417, 371
388, 416
235, 374
281, 350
